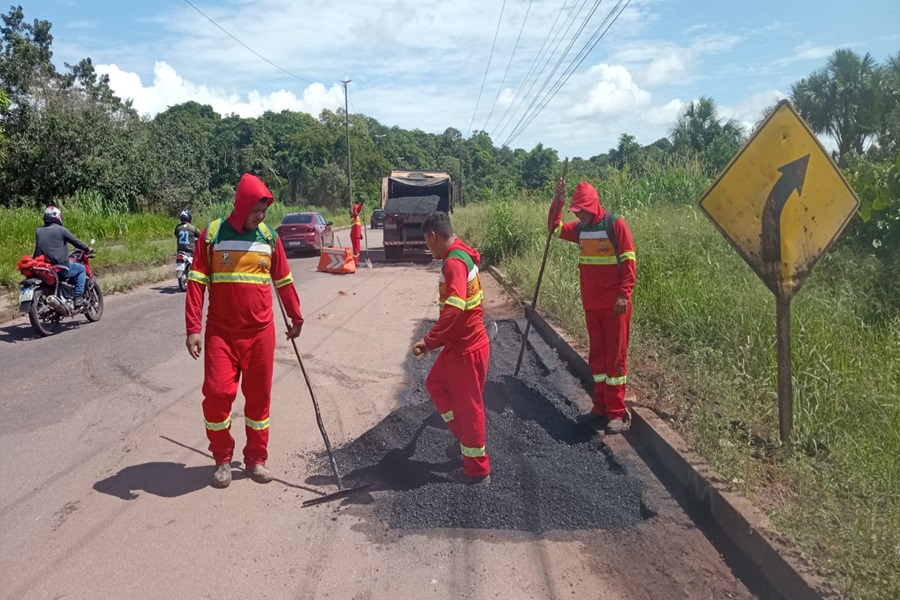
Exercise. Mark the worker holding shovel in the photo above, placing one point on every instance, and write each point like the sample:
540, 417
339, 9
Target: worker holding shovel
456, 381
607, 265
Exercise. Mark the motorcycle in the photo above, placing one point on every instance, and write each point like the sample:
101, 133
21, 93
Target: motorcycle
47, 299
183, 263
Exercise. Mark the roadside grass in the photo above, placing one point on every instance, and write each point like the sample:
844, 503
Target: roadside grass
123, 239
702, 354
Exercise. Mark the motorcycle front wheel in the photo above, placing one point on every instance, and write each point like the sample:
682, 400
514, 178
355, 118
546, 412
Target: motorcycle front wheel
94, 298
182, 283
44, 320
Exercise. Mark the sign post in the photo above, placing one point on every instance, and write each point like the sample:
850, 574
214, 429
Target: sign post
781, 203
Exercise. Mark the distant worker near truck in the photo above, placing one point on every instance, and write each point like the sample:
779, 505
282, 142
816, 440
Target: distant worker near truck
356, 225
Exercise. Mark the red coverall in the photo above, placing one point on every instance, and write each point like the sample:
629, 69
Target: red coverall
356, 226
602, 281
240, 329
456, 381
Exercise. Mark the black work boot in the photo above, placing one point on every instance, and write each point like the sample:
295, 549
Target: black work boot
453, 451
591, 418
459, 476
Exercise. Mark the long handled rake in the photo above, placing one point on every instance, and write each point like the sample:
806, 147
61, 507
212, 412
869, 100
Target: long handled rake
537, 287
342, 492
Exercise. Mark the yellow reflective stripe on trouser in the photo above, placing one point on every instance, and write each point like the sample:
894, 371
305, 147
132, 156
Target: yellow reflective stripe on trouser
255, 278
598, 260
627, 256
472, 452
617, 380
558, 231
219, 426
285, 281
256, 425
447, 416
198, 277
456, 302
600, 378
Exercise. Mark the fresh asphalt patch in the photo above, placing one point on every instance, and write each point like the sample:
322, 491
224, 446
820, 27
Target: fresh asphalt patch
548, 472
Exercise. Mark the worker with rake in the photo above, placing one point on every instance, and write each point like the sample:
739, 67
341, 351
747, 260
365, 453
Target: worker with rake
236, 258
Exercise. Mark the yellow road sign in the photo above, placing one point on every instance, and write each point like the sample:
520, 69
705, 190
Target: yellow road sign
781, 201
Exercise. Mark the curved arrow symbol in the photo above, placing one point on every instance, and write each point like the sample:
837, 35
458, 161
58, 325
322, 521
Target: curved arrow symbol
793, 174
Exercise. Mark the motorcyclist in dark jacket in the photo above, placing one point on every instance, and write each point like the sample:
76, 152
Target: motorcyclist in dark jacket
186, 234
50, 242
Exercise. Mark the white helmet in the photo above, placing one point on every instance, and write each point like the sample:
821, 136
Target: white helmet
52, 214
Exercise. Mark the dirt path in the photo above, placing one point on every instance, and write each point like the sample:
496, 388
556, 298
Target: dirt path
105, 480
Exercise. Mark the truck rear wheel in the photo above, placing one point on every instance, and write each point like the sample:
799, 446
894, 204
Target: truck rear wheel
393, 252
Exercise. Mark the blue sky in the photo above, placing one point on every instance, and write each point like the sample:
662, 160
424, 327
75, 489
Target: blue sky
420, 64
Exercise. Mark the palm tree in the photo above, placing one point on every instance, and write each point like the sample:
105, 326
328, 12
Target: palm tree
842, 100
889, 132
699, 130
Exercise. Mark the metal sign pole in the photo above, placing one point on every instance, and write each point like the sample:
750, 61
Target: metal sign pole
785, 377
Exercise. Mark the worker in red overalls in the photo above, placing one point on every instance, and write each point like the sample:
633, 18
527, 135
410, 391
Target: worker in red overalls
236, 258
607, 265
356, 226
456, 380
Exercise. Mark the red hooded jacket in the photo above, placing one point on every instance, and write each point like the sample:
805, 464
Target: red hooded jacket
602, 281
460, 328
244, 263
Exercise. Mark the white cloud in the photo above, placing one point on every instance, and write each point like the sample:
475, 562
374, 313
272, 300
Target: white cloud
813, 52
665, 115
667, 67
610, 91
657, 63
169, 88
749, 111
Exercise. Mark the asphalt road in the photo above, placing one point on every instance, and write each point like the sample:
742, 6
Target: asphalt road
104, 486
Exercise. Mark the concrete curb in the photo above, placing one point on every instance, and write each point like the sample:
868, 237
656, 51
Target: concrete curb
777, 559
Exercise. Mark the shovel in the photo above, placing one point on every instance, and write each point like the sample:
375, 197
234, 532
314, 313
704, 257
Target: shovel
342, 492
366, 240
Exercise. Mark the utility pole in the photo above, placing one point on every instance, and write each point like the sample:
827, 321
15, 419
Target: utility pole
347, 127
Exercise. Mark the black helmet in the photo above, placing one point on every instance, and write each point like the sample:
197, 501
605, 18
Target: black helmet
185, 216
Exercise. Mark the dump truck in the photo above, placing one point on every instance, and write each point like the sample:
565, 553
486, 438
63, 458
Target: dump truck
407, 198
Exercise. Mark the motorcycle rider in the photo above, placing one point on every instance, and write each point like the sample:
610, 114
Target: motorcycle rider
186, 234
50, 242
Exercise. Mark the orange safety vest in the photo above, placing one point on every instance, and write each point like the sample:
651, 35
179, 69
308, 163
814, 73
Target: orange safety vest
474, 293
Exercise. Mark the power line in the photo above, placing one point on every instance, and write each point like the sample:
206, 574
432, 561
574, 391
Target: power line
536, 99
486, 69
228, 33
592, 43
557, 38
509, 64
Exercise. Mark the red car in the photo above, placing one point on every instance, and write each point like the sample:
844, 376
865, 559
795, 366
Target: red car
305, 231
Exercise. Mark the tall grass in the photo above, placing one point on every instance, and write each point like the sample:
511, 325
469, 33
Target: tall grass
702, 317
123, 238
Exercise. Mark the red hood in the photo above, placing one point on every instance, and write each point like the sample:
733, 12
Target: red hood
250, 190
587, 198
458, 244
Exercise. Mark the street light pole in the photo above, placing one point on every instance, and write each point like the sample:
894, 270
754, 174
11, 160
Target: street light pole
347, 127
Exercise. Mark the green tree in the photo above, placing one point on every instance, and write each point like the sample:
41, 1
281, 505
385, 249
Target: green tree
538, 167
699, 131
843, 100
628, 152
